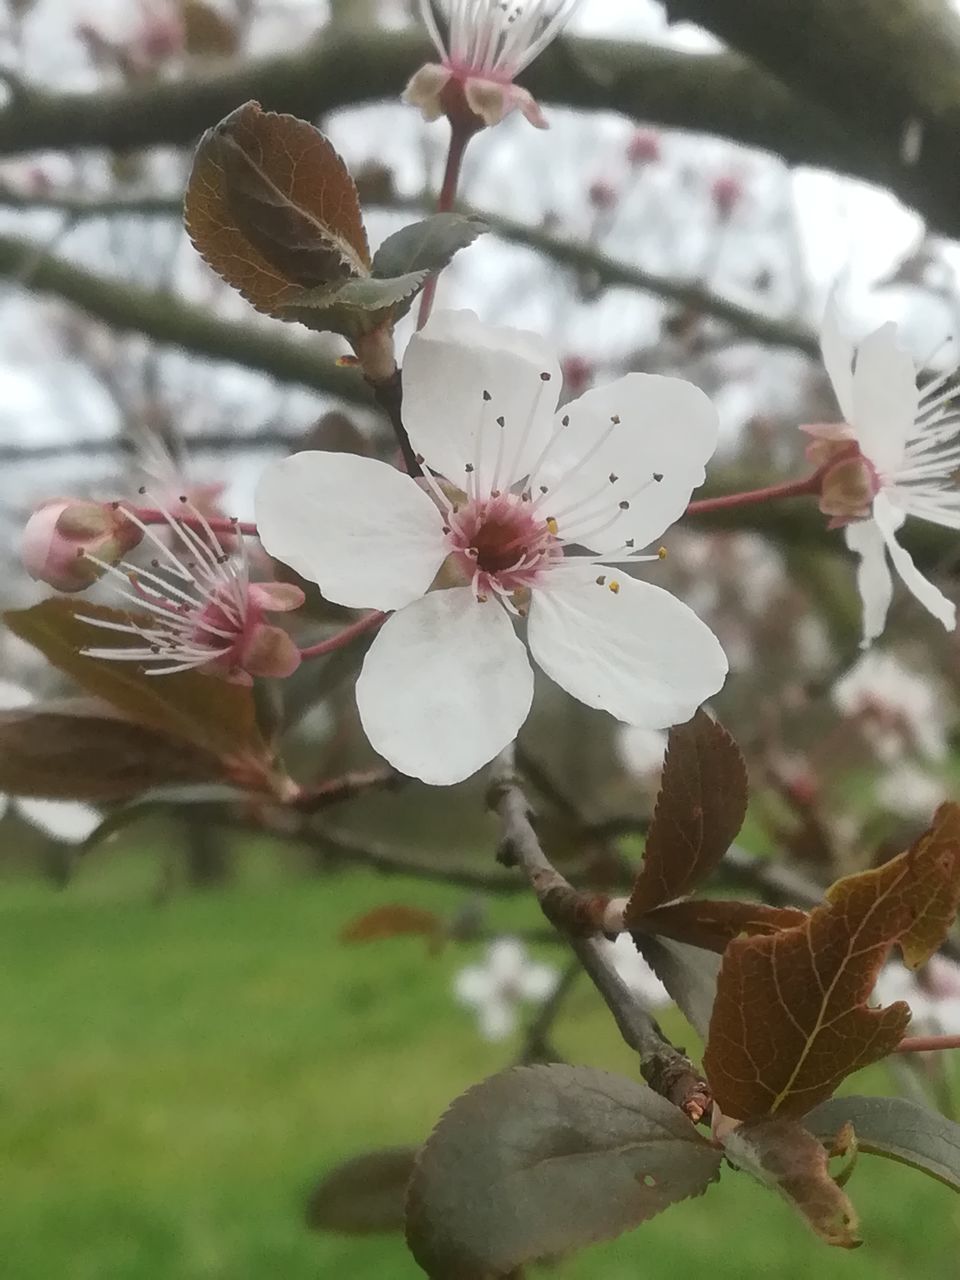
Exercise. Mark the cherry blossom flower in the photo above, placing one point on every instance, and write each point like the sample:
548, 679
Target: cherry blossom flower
910, 791
483, 47
933, 994
495, 988
899, 710
895, 455
636, 974
541, 506
204, 612
66, 820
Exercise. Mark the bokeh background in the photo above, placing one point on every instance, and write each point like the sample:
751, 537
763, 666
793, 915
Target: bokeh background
188, 1041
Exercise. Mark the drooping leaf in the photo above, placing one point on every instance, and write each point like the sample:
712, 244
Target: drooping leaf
158, 799
272, 208
393, 920
898, 1129
426, 246
79, 750
357, 307
364, 1196
700, 809
784, 1156
688, 973
213, 715
541, 1160
791, 1018
713, 923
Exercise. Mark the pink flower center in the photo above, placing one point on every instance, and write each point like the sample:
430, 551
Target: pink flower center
502, 543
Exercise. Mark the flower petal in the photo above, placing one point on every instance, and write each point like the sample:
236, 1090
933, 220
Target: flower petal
888, 520
66, 820
874, 580
642, 441
837, 351
367, 535
445, 686
640, 654
424, 89
885, 398
13, 696
474, 985
497, 1019
537, 982
448, 366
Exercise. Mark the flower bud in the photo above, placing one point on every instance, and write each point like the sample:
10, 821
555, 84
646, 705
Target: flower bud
602, 195
60, 534
643, 148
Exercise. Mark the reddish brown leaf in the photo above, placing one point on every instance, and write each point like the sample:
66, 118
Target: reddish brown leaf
784, 1156
363, 1196
700, 809
213, 715
791, 1018
271, 207
392, 921
77, 751
712, 924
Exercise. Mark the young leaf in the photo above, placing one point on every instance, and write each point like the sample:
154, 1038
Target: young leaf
271, 207
363, 1196
540, 1160
712, 924
357, 307
700, 809
426, 246
688, 973
213, 715
898, 1129
791, 1018
394, 920
785, 1157
79, 751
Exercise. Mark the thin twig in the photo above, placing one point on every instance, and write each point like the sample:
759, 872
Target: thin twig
665, 1068
536, 1045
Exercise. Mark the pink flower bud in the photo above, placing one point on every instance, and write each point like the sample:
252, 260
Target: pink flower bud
63, 533
643, 148
726, 192
577, 375
602, 195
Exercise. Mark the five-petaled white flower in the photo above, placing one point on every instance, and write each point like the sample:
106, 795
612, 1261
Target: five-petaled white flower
635, 973
483, 46
536, 508
66, 820
896, 454
495, 988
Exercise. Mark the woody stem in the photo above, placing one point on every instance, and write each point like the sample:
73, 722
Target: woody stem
924, 1044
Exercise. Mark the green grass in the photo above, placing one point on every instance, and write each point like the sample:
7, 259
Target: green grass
173, 1077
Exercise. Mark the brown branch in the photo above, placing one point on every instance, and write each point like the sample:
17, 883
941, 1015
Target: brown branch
348, 786
721, 94
170, 321
665, 1068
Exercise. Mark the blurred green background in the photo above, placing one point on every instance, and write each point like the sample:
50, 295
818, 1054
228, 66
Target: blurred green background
177, 1070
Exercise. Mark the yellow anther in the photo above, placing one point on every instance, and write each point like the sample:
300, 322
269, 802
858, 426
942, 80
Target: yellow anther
614, 586
662, 553
552, 526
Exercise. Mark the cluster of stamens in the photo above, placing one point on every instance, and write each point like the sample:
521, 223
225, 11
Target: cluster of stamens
195, 592
506, 534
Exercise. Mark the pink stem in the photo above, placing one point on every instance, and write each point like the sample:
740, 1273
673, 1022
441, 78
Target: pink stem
923, 1044
459, 137
150, 515
369, 622
792, 489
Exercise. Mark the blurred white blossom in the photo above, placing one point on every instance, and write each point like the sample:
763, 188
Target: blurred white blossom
898, 709
506, 978
933, 994
910, 791
641, 750
636, 973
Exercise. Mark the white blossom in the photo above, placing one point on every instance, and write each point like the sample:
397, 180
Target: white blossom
65, 820
933, 994
909, 439
635, 973
483, 46
910, 791
641, 750
495, 988
543, 505
899, 710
